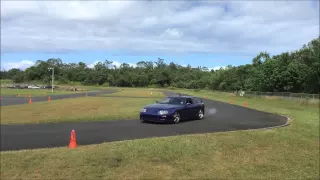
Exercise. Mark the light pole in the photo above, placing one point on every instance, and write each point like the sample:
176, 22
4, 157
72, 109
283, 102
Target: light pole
52, 78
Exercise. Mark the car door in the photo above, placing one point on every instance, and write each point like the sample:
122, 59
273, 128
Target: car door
184, 112
191, 108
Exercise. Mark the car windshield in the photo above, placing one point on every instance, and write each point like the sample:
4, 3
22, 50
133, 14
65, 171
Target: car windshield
172, 100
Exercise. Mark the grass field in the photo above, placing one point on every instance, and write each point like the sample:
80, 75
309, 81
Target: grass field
86, 88
284, 153
137, 92
32, 92
5, 81
63, 89
83, 109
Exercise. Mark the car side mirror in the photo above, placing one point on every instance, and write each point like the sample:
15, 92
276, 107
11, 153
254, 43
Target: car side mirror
187, 104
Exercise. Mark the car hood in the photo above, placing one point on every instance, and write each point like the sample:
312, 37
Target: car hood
163, 106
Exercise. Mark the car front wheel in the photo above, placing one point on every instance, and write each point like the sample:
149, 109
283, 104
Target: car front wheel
176, 117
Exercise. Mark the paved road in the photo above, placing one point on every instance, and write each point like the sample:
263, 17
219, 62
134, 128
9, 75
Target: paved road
219, 117
10, 100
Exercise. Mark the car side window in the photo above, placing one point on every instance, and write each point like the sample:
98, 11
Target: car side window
175, 101
189, 101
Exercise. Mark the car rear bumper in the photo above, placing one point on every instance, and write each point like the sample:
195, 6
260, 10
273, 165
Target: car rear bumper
156, 118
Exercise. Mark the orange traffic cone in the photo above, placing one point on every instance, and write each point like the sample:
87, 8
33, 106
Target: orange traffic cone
49, 98
245, 104
206, 97
18, 94
73, 141
30, 101
230, 101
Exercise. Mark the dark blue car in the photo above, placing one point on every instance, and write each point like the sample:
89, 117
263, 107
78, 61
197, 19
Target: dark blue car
173, 109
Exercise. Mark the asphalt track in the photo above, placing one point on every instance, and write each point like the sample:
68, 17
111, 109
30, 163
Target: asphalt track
13, 100
219, 117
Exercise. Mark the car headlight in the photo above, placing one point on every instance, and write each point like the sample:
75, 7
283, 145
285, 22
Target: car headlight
162, 112
143, 110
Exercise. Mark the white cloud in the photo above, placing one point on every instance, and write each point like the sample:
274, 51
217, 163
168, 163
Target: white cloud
117, 64
217, 68
93, 64
24, 64
175, 33
159, 26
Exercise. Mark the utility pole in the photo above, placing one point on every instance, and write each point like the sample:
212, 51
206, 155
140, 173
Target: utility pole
52, 78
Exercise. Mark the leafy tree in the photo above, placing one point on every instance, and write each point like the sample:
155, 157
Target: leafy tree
297, 71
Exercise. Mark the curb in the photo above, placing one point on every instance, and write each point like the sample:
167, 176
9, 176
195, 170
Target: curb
266, 128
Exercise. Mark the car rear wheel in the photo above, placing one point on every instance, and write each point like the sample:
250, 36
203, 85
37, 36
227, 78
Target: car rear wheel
176, 117
200, 114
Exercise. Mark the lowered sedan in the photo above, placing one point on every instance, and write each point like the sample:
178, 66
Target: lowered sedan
173, 109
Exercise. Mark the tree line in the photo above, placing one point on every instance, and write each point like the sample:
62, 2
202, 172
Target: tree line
296, 71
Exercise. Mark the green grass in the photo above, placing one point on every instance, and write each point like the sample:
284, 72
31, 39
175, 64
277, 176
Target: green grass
291, 152
83, 109
32, 92
137, 92
5, 81
63, 89
86, 88
9, 82
238, 100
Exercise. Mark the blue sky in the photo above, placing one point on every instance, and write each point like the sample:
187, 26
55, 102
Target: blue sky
205, 33
208, 60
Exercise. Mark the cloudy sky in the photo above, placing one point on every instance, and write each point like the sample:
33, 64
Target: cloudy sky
199, 33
